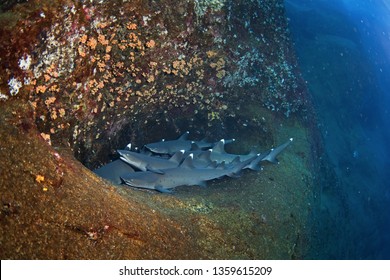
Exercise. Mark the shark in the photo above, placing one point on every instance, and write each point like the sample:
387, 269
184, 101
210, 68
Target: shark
172, 146
182, 143
114, 170
186, 174
166, 165
219, 155
145, 162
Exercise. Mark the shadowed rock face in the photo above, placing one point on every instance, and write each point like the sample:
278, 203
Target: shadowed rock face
5, 5
79, 81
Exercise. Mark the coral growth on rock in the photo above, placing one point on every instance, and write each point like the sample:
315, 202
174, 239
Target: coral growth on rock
94, 69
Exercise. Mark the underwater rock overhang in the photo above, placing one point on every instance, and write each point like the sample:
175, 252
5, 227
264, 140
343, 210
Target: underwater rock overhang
87, 77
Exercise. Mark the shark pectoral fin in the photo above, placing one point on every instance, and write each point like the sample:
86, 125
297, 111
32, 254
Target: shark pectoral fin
161, 189
155, 170
234, 175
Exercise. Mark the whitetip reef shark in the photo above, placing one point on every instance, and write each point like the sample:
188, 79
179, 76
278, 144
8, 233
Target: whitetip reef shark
186, 174
144, 162
162, 173
114, 170
219, 155
182, 143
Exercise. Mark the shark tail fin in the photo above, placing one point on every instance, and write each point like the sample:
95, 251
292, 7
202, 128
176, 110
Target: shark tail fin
271, 157
254, 164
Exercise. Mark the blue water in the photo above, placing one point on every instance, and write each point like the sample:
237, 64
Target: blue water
343, 48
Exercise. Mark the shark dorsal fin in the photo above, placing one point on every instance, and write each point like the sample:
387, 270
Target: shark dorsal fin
220, 147
184, 136
188, 162
177, 157
128, 147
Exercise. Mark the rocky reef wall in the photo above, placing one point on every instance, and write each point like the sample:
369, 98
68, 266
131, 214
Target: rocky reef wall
130, 70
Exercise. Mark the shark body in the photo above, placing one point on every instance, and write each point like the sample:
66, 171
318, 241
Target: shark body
171, 146
114, 170
184, 175
145, 162
182, 143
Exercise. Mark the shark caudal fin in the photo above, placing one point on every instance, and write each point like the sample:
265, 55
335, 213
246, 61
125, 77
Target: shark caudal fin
271, 157
254, 164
